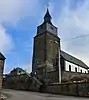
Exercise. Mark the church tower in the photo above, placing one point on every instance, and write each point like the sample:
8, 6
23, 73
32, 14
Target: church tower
46, 49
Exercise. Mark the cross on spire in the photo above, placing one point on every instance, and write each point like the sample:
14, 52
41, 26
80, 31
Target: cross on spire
47, 4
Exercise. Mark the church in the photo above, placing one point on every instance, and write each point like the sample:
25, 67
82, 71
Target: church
50, 63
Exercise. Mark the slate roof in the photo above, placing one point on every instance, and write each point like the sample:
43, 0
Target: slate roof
2, 56
47, 15
73, 60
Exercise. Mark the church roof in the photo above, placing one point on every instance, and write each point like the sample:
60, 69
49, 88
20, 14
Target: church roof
73, 60
1, 56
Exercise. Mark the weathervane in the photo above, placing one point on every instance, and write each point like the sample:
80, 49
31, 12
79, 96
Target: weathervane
47, 5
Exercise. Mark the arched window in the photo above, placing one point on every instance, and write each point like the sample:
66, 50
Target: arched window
70, 68
75, 69
81, 70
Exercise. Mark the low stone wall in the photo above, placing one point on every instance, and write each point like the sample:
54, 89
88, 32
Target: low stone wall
26, 83
66, 75
74, 89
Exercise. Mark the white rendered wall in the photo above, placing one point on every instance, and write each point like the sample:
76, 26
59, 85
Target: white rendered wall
73, 66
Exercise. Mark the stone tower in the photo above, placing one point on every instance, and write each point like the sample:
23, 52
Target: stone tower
2, 60
45, 64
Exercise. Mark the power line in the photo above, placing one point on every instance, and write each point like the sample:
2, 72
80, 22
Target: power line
80, 36
20, 49
27, 48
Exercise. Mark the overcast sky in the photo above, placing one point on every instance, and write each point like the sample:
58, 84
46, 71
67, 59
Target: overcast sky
18, 25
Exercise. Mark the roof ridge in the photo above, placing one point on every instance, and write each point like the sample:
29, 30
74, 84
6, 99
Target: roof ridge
71, 55
73, 59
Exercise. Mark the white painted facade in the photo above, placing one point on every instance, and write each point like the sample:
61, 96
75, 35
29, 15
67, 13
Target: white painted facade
73, 66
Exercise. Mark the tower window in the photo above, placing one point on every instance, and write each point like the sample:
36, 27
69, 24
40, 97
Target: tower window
56, 42
50, 41
51, 27
41, 26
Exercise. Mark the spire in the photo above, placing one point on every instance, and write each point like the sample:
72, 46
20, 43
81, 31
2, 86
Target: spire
47, 17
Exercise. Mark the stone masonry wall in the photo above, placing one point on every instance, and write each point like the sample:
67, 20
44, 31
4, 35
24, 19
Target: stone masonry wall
74, 89
1, 74
66, 75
